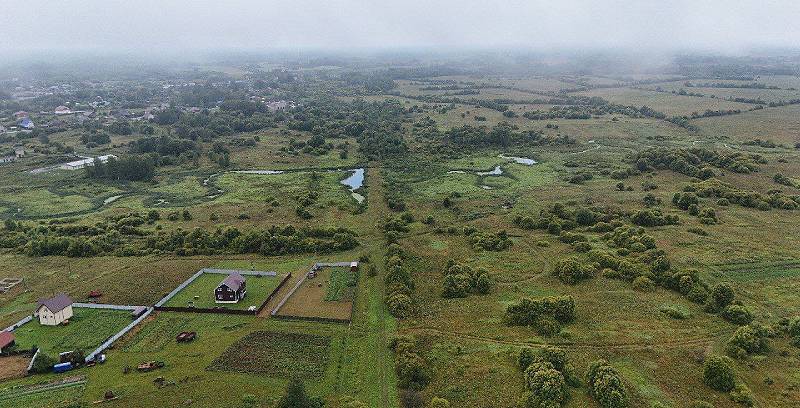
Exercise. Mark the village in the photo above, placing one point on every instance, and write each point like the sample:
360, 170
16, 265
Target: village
43, 341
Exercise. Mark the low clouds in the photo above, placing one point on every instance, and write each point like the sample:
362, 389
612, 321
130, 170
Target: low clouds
174, 25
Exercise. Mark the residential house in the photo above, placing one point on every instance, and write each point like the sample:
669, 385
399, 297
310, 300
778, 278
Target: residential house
26, 123
231, 290
54, 311
62, 110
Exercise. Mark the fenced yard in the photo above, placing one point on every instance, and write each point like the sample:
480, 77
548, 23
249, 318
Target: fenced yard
86, 330
200, 293
327, 296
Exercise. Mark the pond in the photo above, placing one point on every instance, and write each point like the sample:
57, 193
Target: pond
356, 180
519, 160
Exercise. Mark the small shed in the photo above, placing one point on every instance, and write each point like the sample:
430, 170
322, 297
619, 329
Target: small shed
353, 266
138, 311
7, 341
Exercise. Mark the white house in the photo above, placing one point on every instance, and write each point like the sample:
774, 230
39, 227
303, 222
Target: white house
79, 164
53, 311
62, 110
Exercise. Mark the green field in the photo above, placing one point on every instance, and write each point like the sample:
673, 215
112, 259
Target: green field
86, 330
200, 293
601, 194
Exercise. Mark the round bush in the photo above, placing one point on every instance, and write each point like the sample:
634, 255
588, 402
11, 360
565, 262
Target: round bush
718, 373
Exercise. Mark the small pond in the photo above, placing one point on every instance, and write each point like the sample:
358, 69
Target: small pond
519, 160
356, 180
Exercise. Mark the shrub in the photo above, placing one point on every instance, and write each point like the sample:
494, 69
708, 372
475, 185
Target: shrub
572, 271
546, 385
526, 357
437, 402
737, 314
675, 312
411, 399
748, 339
411, 369
741, 394
296, 397
455, 285
718, 373
43, 364
527, 311
606, 386
721, 295
643, 284
399, 305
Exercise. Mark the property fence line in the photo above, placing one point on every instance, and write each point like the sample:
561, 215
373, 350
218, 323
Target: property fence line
303, 279
288, 295
16, 325
180, 287
160, 305
240, 272
187, 282
274, 292
30, 364
106, 344
106, 306
313, 319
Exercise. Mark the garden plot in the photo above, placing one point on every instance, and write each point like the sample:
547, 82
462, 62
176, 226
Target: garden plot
199, 293
327, 296
276, 354
87, 329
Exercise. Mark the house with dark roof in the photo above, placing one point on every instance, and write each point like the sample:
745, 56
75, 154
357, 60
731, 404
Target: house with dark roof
53, 311
231, 290
7, 341
26, 123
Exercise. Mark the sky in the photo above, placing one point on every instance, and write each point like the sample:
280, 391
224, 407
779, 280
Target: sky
728, 26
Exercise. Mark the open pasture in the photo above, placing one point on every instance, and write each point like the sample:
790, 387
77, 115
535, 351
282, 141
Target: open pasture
667, 103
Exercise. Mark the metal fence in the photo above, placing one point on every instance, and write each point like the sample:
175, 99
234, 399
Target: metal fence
106, 344
16, 325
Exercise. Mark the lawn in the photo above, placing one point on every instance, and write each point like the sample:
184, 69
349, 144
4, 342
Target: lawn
87, 329
200, 293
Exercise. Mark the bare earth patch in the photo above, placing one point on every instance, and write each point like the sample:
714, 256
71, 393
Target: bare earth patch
13, 367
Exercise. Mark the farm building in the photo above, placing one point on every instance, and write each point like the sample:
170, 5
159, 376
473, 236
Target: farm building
53, 311
7, 341
353, 266
79, 164
231, 290
62, 110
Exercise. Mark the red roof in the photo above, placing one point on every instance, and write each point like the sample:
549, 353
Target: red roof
6, 338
